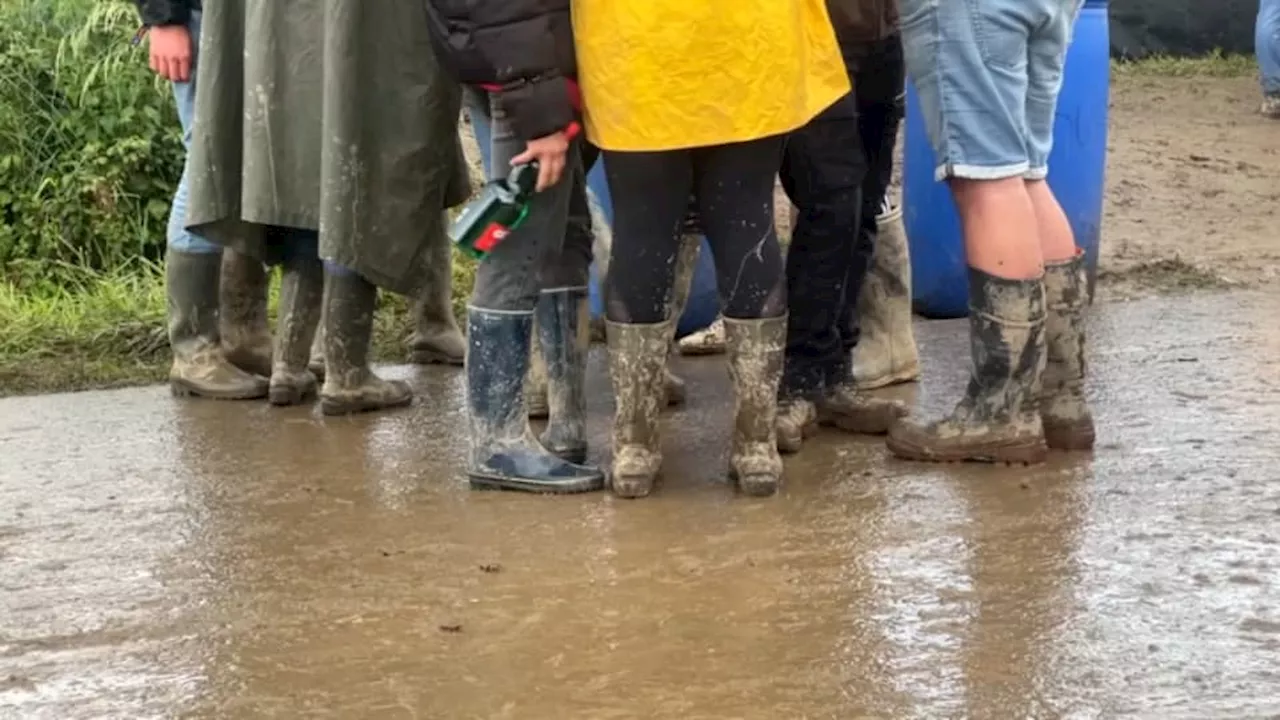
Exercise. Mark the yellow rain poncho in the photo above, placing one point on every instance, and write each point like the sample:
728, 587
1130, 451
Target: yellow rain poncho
671, 74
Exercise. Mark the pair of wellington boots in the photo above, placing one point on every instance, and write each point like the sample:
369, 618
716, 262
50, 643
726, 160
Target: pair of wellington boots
505, 454
637, 363
436, 338
217, 323
346, 304
674, 389
1026, 390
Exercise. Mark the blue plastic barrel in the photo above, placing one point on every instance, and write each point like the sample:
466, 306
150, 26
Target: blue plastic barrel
1077, 169
704, 301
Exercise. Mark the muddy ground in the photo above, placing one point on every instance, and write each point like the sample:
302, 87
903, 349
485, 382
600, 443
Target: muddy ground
1193, 187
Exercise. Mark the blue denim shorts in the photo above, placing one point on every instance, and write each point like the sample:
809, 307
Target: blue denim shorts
988, 73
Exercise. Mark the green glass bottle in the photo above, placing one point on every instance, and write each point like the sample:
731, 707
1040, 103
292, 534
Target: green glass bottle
500, 207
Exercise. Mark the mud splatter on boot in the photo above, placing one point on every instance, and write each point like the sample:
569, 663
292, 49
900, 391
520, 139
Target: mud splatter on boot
845, 407
242, 319
637, 360
886, 352
437, 339
535, 382
563, 321
301, 295
350, 386
504, 453
998, 419
755, 367
1068, 423
199, 366
797, 421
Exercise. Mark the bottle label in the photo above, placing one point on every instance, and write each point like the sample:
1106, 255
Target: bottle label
490, 238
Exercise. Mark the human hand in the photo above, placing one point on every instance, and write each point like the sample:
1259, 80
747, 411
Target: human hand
171, 52
551, 152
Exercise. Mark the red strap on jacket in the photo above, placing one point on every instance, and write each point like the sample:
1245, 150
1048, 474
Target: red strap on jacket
575, 100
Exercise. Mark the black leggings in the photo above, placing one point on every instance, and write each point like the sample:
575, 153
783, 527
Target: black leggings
733, 186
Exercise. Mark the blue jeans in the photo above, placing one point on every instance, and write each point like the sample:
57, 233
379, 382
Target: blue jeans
1267, 45
988, 73
178, 237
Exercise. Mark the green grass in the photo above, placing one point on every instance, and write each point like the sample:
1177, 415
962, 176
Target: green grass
108, 329
1214, 65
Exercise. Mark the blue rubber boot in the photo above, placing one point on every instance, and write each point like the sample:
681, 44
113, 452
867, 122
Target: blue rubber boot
504, 453
564, 328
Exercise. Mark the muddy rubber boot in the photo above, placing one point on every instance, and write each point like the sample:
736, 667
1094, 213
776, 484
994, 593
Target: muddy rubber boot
350, 386
535, 383
563, 327
755, 366
316, 363
797, 421
504, 453
242, 320
998, 420
199, 366
436, 338
886, 352
637, 359
850, 410
1068, 423
301, 295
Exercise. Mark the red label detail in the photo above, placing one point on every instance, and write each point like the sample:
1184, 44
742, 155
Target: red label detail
490, 238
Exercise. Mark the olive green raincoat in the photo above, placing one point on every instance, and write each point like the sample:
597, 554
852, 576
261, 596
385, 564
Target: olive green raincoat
331, 115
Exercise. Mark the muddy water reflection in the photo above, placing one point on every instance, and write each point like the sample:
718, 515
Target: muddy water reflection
162, 559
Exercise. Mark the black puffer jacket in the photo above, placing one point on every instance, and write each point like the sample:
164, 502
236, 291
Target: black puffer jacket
521, 48
166, 12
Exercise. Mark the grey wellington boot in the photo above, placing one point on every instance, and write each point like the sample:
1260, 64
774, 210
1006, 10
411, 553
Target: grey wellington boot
504, 453
1068, 423
350, 385
199, 366
242, 319
564, 329
637, 360
301, 294
886, 352
998, 419
756, 350
436, 338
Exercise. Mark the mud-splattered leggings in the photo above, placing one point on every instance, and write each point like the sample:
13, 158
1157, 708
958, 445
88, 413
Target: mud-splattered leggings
733, 185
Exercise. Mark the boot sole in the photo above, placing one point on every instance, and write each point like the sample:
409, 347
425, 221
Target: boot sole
480, 481
633, 488
901, 377
434, 357
1069, 438
288, 396
756, 484
856, 427
1023, 453
180, 389
342, 407
702, 351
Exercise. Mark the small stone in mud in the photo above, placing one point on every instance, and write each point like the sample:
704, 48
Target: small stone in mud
451, 628
491, 568
389, 553
1024, 485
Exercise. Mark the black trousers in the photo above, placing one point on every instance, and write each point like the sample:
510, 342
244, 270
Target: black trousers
836, 170
732, 188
